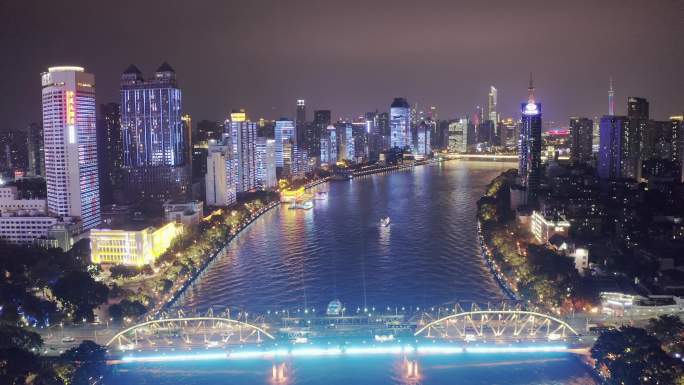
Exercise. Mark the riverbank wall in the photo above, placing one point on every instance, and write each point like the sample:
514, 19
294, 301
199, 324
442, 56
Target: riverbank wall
179, 295
486, 256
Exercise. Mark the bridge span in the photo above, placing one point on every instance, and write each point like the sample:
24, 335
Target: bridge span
433, 331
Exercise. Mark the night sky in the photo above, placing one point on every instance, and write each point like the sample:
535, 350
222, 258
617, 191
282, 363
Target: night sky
354, 56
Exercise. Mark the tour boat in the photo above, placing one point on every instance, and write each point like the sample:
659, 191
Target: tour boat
304, 205
321, 195
334, 307
384, 222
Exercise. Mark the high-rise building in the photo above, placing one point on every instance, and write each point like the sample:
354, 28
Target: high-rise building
637, 108
661, 149
639, 129
509, 133
329, 146
458, 136
373, 135
529, 152
14, 156
155, 148
384, 129
265, 163
581, 137
316, 130
360, 142
611, 98
400, 124
187, 131
345, 133
300, 124
36, 154
613, 160
220, 178
677, 127
242, 134
110, 150
284, 132
492, 114
70, 144
423, 139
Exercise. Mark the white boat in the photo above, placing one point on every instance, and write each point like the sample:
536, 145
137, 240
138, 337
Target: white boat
384, 222
321, 195
334, 308
304, 205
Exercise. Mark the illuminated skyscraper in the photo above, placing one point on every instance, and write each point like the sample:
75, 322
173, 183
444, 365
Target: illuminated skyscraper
300, 124
491, 111
70, 143
611, 98
458, 136
284, 132
155, 147
265, 163
581, 137
529, 152
423, 139
316, 130
220, 178
243, 139
613, 149
36, 151
329, 146
400, 124
110, 150
345, 133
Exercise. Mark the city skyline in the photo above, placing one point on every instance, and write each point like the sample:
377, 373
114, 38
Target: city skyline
276, 69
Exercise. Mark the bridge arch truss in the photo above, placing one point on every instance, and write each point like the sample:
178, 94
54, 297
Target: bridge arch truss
496, 326
190, 331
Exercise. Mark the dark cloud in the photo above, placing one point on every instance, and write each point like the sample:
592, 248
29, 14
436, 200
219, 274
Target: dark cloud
354, 56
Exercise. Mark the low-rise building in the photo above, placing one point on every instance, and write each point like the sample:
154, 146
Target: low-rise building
10, 203
139, 245
635, 306
26, 222
543, 226
185, 213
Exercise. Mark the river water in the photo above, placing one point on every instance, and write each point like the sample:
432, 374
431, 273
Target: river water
428, 256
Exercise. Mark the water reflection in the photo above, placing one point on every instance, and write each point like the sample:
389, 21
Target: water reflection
426, 257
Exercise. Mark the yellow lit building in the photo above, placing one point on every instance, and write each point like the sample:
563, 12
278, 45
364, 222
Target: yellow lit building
544, 227
132, 247
290, 196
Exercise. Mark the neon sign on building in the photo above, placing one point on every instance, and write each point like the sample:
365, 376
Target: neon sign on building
71, 116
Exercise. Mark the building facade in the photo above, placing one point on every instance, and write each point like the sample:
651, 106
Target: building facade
529, 151
265, 163
329, 146
136, 247
70, 144
619, 148
400, 124
36, 152
220, 179
284, 132
243, 136
581, 137
155, 144
458, 136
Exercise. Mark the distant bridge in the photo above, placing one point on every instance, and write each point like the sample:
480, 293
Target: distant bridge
495, 157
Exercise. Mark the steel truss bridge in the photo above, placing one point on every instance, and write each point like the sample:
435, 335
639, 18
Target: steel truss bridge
499, 324
502, 325
190, 331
